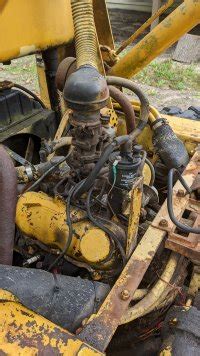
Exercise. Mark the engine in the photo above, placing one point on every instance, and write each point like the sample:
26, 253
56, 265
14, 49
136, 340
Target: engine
76, 213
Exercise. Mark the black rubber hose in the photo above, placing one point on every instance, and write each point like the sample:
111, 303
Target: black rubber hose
153, 175
70, 232
49, 171
34, 96
88, 182
128, 84
104, 228
179, 225
126, 107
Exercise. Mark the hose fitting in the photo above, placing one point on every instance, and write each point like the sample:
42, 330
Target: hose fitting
85, 33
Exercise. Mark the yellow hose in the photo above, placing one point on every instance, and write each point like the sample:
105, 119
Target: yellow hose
153, 115
155, 296
85, 33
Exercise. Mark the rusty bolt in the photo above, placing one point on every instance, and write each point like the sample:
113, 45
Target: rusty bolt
96, 276
163, 223
173, 322
181, 193
125, 294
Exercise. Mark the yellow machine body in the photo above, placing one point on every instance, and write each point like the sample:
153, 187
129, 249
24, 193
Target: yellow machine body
23, 332
30, 26
44, 218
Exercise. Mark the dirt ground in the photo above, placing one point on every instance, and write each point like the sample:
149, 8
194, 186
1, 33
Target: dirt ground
168, 97
23, 71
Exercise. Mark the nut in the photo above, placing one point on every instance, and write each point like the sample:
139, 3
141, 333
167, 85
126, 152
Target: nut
163, 223
181, 193
173, 322
125, 294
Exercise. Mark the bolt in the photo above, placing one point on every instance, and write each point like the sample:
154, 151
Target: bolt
96, 276
173, 322
163, 223
181, 193
125, 294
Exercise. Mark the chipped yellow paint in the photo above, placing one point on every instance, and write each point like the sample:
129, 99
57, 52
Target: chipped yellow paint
134, 216
86, 352
44, 218
7, 296
23, 332
166, 352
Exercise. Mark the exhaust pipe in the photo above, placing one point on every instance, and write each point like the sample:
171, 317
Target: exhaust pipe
8, 200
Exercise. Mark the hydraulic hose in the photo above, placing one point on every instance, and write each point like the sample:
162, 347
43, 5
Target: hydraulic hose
85, 33
29, 92
153, 174
8, 200
145, 110
126, 106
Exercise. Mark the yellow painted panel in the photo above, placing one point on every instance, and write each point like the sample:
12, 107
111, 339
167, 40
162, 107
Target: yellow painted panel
27, 26
23, 332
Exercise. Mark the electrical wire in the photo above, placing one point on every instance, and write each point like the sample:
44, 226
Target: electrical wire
70, 231
104, 228
49, 171
34, 96
153, 175
179, 225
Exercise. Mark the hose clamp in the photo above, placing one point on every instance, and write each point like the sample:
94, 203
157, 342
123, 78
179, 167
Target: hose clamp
29, 172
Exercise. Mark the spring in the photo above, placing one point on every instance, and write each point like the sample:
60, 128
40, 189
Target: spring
85, 33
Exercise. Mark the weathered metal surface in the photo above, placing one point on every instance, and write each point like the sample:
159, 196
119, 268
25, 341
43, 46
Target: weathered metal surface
23, 332
23, 22
8, 199
101, 326
104, 32
180, 21
194, 285
135, 210
44, 218
188, 246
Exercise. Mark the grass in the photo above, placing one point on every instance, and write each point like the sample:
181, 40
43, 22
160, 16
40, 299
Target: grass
22, 71
170, 75
165, 74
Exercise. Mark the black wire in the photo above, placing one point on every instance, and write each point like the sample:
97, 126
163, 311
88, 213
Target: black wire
21, 87
184, 228
104, 228
153, 175
70, 231
50, 170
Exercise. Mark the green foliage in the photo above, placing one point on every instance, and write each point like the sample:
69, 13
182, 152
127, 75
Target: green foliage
170, 75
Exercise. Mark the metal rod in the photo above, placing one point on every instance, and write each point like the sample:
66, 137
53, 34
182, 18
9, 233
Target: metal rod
180, 21
142, 28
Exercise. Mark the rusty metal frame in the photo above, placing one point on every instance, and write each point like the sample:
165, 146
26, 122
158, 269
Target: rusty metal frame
188, 246
100, 328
